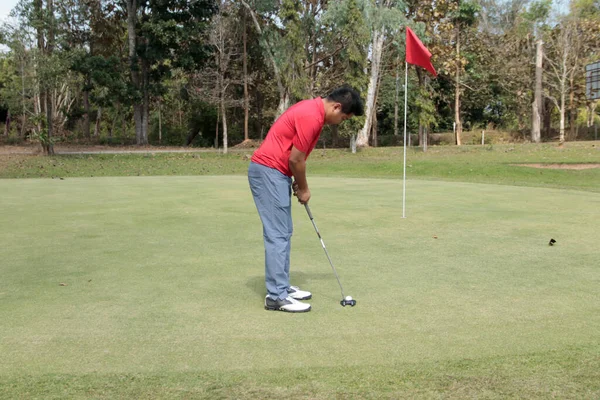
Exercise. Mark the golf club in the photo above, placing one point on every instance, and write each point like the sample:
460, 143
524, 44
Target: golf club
346, 300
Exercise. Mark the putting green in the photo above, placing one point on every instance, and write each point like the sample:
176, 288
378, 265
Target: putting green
165, 274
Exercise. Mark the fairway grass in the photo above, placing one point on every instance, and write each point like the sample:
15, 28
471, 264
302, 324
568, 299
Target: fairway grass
152, 287
496, 164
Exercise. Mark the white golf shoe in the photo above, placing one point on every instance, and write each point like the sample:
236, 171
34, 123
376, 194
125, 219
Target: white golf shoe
295, 293
288, 304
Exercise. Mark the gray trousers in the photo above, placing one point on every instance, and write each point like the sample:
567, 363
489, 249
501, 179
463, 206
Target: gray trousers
272, 194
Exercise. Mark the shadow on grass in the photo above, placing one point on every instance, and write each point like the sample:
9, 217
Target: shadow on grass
256, 284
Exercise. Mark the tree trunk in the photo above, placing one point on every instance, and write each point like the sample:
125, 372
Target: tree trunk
132, 7
537, 101
217, 127
145, 100
145, 120
191, 137
159, 123
562, 117
425, 139
38, 12
572, 110
258, 100
137, 119
421, 126
315, 48
334, 135
377, 48
313, 68
591, 113
37, 108
374, 130
37, 6
7, 124
24, 119
49, 105
547, 117
224, 119
396, 96
97, 125
123, 124
457, 91
284, 103
246, 97
374, 121
113, 124
49, 147
86, 99
86, 115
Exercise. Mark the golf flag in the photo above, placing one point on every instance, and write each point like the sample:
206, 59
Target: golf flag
417, 53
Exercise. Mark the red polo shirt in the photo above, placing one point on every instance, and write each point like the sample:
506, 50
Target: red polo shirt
299, 126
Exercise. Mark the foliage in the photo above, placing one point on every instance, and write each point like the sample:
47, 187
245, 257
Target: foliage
296, 50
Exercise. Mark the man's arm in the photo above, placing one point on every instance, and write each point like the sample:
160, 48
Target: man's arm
297, 164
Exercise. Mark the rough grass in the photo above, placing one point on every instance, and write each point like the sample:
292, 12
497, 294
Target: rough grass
483, 164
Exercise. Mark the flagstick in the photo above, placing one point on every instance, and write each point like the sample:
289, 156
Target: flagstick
405, 112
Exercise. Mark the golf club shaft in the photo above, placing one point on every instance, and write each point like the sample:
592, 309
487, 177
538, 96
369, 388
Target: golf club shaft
324, 248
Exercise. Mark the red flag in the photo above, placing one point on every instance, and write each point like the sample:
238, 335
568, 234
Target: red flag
417, 53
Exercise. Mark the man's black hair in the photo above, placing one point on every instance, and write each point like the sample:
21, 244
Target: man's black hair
349, 99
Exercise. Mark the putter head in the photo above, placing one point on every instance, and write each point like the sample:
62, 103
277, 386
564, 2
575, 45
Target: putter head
350, 303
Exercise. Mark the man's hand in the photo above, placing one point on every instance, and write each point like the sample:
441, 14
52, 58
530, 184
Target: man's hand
302, 195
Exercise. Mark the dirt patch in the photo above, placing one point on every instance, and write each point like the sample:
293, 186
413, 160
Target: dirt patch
248, 144
21, 149
36, 149
560, 166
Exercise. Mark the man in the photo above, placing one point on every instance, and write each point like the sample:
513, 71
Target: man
282, 155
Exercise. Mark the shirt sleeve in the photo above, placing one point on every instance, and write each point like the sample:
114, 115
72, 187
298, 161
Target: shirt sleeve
307, 131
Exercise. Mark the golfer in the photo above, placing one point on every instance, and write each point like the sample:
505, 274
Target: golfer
282, 156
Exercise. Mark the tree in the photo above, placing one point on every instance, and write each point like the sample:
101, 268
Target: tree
347, 28
163, 36
43, 20
562, 59
245, 67
16, 90
586, 15
132, 22
384, 19
92, 32
217, 81
464, 18
292, 51
536, 15
433, 24
5, 80
269, 49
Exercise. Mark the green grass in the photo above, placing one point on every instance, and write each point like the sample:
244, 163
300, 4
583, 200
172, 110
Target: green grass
482, 164
164, 286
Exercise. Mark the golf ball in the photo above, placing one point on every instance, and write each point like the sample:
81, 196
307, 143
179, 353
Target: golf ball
348, 298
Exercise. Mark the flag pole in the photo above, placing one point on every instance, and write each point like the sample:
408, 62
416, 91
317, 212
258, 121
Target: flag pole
405, 113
